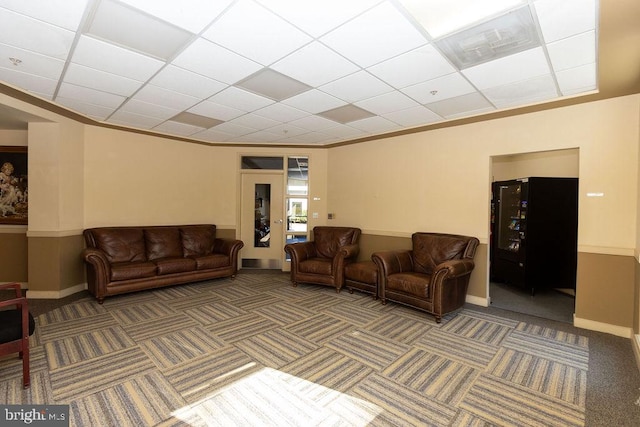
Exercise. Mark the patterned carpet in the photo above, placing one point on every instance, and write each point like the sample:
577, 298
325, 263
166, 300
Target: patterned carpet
255, 351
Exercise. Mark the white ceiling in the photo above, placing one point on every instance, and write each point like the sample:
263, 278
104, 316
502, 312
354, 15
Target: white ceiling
182, 67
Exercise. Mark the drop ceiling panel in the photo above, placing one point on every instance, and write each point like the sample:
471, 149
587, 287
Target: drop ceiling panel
443, 87
33, 35
418, 65
30, 82
525, 92
511, 69
150, 110
383, 27
192, 15
186, 82
134, 120
383, 104
440, 17
469, 104
577, 80
158, 61
318, 18
160, 96
356, 87
228, 67
216, 111
100, 80
91, 96
256, 33
573, 51
315, 65
176, 128
62, 13
240, 99
413, 116
110, 58
96, 112
31, 62
561, 19
281, 112
314, 101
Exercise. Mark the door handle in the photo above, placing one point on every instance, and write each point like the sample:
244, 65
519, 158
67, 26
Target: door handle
278, 221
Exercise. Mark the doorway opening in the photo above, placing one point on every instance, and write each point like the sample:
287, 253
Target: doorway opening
516, 284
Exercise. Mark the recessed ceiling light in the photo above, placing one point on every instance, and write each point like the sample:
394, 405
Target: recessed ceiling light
273, 85
196, 120
346, 114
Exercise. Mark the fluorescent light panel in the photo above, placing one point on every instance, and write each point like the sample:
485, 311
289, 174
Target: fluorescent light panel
346, 114
196, 120
129, 28
273, 85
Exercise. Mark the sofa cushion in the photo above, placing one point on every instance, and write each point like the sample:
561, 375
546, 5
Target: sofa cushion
121, 244
174, 265
411, 283
198, 240
430, 250
212, 261
316, 266
132, 270
163, 242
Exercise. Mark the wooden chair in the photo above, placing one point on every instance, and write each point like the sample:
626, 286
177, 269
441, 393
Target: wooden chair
16, 325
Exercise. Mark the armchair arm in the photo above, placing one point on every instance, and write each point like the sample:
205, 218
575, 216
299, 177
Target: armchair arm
349, 251
15, 286
300, 251
454, 268
391, 262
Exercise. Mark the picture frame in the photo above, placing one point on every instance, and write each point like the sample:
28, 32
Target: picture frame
14, 190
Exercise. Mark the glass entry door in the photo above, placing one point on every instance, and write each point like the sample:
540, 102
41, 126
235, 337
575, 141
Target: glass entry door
262, 220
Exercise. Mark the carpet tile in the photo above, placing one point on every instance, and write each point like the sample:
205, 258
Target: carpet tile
256, 351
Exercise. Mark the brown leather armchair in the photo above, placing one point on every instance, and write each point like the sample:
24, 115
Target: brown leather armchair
433, 276
322, 260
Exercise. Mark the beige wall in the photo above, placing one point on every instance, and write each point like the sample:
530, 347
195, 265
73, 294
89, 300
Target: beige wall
430, 181
440, 181
556, 163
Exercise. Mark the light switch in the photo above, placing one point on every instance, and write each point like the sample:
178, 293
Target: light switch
315, 215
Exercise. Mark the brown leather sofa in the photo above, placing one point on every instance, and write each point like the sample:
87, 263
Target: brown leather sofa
128, 259
433, 276
322, 260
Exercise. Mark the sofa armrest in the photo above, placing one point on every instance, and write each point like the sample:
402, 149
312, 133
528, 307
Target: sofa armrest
300, 251
227, 246
98, 271
392, 262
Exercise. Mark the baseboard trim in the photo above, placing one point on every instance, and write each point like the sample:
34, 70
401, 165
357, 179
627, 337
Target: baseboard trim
483, 302
592, 325
56, 294
636, 349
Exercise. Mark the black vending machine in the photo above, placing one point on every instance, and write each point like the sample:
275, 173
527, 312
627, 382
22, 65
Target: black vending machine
534, 232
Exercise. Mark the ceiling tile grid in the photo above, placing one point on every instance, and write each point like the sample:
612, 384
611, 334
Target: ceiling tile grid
292, 72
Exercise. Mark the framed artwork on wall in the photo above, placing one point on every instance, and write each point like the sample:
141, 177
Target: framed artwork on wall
14, 192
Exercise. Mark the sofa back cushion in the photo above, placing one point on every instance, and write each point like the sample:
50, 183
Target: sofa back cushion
120, 244
163, 242
431, 249
198, 240
329, 240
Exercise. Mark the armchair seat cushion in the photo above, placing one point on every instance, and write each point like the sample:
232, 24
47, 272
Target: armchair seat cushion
174, 265
316, 266
132, 270
211, 261
410, 283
